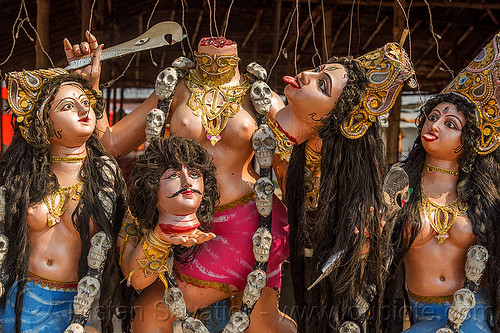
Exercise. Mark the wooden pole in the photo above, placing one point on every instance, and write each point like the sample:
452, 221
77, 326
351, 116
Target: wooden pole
394, 117
276, 38
42, 28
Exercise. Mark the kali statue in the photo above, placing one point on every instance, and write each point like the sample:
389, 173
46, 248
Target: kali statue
334, 184
212, 104
446, 235
62, 203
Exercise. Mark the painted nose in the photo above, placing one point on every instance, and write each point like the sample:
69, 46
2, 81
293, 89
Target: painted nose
185, 179
305, 77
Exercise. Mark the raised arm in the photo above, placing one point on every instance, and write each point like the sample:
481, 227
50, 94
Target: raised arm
128, 133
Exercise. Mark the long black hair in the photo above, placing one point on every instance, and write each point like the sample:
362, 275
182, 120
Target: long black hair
350, 199
478, 184
25, 172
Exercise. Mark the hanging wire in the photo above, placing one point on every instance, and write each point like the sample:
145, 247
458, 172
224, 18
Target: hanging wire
185, 29
296, 37
324, 29
226, 22
110, 82
434, 35
215, 20
316, 53
210, 12
147, 28
350, 27
91, 15
282, 43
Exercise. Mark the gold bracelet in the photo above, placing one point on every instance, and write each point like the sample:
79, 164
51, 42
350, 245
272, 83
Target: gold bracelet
156, 252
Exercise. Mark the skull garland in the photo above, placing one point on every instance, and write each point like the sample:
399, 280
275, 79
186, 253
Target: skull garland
100, 244
261, 96
2, 203
256, 281
264, 189
174, 300
108, 170
154, 123
444, 330
363, 300
183, 63
107, 198
238, 323
75, 328
88, 287
463, 301
262, 240
193, 325
257, 71
349, 327
477, 256
264, 144
165, 84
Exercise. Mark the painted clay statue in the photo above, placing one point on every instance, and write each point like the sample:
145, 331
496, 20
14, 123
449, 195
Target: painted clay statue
444, 233
212, 105
63, 200
334, 184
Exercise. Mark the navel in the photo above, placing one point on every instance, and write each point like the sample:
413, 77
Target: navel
442, 278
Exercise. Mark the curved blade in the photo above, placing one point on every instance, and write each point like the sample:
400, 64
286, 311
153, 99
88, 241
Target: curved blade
161, 34
395, 189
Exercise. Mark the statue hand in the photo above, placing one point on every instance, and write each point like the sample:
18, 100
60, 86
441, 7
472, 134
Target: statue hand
86, 49
188, 239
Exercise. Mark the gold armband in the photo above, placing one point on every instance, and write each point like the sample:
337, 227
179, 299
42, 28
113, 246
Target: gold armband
284, 144
312, 177
129, 232
156, 251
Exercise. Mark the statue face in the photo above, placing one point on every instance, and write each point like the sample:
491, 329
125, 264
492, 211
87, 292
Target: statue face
180, 191
73, 118
313, 93
442, 132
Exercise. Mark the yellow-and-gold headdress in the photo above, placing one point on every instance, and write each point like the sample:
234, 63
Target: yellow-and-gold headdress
480, 83
386, 69
24, 88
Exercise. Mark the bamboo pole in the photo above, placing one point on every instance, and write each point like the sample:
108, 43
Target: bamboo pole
42, 28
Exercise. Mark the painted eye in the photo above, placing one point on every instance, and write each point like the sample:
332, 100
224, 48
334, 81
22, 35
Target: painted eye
173, 176
86, 102
451, 125
322, 85
432, 117
67, 106
194, 175
141, 41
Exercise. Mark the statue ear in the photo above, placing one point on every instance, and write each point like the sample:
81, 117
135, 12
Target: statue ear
50, 127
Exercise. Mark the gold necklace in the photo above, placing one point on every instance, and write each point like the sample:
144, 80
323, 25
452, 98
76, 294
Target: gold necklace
217, 104
431, 168
441, 217
69, 159
58, 201
312, 177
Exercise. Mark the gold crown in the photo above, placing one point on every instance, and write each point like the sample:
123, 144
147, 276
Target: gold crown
480, 83
386, 69
24, 88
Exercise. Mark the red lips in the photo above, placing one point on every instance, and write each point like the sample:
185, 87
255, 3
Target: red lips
429, 137
84, 119
188, 192
292, 81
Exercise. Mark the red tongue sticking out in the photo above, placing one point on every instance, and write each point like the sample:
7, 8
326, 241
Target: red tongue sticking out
291, 81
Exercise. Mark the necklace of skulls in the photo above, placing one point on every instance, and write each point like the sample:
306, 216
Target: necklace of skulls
465, 299
90, 285
264, 146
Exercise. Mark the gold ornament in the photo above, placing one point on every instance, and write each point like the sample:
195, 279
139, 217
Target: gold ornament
386, 69
284, 144
156, 251
129, 232
216, 104
312, 177
216, 69
431, 168
68, 159
442, 217
479, 83
58, 201
24, 88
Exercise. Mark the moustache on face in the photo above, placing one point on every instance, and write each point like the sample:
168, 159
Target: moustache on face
184, 189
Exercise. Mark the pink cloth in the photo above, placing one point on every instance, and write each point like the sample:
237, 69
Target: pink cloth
228, 258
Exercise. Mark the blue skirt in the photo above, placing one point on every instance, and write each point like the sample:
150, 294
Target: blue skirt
45, 309
430, 316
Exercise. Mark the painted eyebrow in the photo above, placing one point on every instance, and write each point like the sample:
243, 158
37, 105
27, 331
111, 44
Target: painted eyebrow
329, 79
451, 115
71, 98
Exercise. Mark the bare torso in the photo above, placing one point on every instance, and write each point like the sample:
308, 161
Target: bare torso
232, 154
54, 251
433, 269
